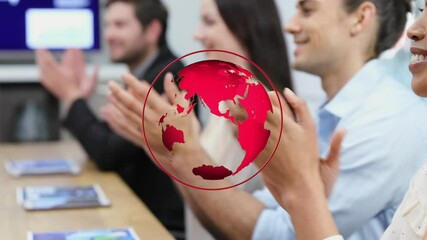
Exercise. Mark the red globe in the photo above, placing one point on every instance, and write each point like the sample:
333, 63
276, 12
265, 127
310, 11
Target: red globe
216, 82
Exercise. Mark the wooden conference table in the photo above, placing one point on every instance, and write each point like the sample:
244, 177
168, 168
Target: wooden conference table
126, 209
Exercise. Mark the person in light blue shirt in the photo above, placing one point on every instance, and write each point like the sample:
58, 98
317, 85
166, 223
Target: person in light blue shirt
382, 150
385, 136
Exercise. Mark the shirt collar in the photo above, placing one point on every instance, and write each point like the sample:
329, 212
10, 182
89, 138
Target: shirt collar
356, 90
142, 68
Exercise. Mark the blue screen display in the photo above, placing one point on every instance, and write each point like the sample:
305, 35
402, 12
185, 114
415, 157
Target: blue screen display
53, 24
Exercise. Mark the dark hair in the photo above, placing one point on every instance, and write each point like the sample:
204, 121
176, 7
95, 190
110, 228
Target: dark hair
256, 24
392, 20
147, 11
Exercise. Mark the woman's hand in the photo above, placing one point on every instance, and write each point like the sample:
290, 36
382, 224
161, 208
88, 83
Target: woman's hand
295, 168
125, 114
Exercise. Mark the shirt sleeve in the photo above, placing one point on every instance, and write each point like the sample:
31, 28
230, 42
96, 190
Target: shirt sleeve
336, 237
107, 149
273, 223
377, 162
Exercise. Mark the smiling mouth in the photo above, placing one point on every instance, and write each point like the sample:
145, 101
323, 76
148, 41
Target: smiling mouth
301, 42
299, 45
418, 58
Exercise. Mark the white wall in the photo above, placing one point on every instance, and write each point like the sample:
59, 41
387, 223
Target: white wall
184, 18
183, 21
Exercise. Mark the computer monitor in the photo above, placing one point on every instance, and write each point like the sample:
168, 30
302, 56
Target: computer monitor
51, 24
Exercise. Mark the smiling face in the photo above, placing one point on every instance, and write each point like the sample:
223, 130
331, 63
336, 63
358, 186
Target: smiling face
213, 33
418, 66
124, 34
321, 34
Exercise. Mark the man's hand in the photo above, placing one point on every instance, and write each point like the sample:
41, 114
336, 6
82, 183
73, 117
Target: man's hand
124, 115
329, 167
66, 79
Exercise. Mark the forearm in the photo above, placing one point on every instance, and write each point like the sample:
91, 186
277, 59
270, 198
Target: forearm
310, 214
103, 146
84, 126
227, 214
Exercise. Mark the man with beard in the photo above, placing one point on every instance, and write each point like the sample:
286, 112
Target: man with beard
135, 32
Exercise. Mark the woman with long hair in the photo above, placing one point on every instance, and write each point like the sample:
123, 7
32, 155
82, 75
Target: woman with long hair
251, 28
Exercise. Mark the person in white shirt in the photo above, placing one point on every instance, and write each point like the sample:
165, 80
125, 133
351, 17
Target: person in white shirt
338, 40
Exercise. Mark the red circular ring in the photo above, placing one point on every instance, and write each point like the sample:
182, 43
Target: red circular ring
257, 67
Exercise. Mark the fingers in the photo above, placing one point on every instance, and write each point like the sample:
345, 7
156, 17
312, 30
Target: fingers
117, 122
45, 59
131, 107
74, 59
134, 117
126, 99
68, 57
274, 101
88, 83
171, 90
95, 74
175, 95
79, 60
274, 119
300, 107
138, 87
275, 97
114, 118
237, 111
140, 90
91, 81
329, 168
49, 70
337, 139
109, 115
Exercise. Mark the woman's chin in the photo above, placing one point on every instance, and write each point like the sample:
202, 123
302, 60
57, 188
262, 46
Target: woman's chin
419, 86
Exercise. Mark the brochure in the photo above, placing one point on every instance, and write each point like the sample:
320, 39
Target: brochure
41, 167
59, 197
96, 234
